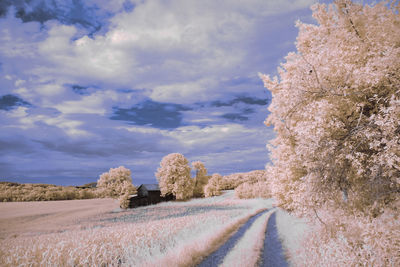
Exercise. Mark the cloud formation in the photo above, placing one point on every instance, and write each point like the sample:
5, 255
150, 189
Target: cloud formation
90, 85
8, 102
151, 113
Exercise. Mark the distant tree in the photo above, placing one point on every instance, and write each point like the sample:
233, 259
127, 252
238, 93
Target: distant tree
116, 183
244, 190
254, 185
174, 176
213, 187
42, 192
201, 178
233, 180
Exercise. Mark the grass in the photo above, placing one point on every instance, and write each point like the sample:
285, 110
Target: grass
291, 231
167, 234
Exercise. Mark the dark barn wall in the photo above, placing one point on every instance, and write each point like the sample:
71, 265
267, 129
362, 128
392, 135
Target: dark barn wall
142, 191
154, 197
138, 202
146, 197
168, 197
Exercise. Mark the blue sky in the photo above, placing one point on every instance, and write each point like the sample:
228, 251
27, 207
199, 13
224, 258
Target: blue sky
88, 85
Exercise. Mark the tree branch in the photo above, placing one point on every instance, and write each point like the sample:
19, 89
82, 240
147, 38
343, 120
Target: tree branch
319, 219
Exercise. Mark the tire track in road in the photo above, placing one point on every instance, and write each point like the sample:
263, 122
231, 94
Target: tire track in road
273, 253
217, 257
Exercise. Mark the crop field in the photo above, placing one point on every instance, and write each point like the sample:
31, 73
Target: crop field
97, 233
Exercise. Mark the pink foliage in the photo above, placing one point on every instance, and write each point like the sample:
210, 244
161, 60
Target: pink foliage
254, 185
174, 176
352, 240
213, 187
233, 180
336, 112
116, 182
253, 190
43, 192
201, 178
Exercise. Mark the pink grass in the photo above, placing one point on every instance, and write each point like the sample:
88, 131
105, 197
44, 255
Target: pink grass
174, 240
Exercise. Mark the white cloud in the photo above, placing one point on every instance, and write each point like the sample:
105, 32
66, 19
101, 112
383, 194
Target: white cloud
215, 135
270, 7
71, 127
20, 118
83, 58
141, 129
97, 103
164, 46
18, 112
224, 148
50, 89
185, 92
19, 82
178, 51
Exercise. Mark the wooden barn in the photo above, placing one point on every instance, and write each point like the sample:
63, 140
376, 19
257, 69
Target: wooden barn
148, 194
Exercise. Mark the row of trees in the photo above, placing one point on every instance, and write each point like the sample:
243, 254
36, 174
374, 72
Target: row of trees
336, 113
42, 192
173, 175
174, 178
117, 183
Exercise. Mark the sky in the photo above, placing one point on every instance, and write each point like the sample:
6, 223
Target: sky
89, 85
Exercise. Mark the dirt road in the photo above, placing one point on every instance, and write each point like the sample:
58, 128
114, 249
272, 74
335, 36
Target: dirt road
218, 256
272, 255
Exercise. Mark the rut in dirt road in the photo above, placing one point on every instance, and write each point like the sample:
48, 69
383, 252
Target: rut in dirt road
273, 254
217, 257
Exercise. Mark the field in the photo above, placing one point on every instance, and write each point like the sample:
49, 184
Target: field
97, 232
39, 217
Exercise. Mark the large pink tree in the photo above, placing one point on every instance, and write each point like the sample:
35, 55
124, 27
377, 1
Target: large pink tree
336, 113
174, 176
116, 182
336, 110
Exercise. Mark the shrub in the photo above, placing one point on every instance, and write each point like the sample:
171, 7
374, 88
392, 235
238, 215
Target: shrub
213, 187
124, 200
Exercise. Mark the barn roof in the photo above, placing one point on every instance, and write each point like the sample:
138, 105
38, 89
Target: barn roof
151, 187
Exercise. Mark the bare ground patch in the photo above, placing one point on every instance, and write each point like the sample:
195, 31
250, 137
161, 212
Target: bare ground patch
30, 218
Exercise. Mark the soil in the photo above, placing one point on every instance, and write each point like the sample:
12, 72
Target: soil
30, 218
